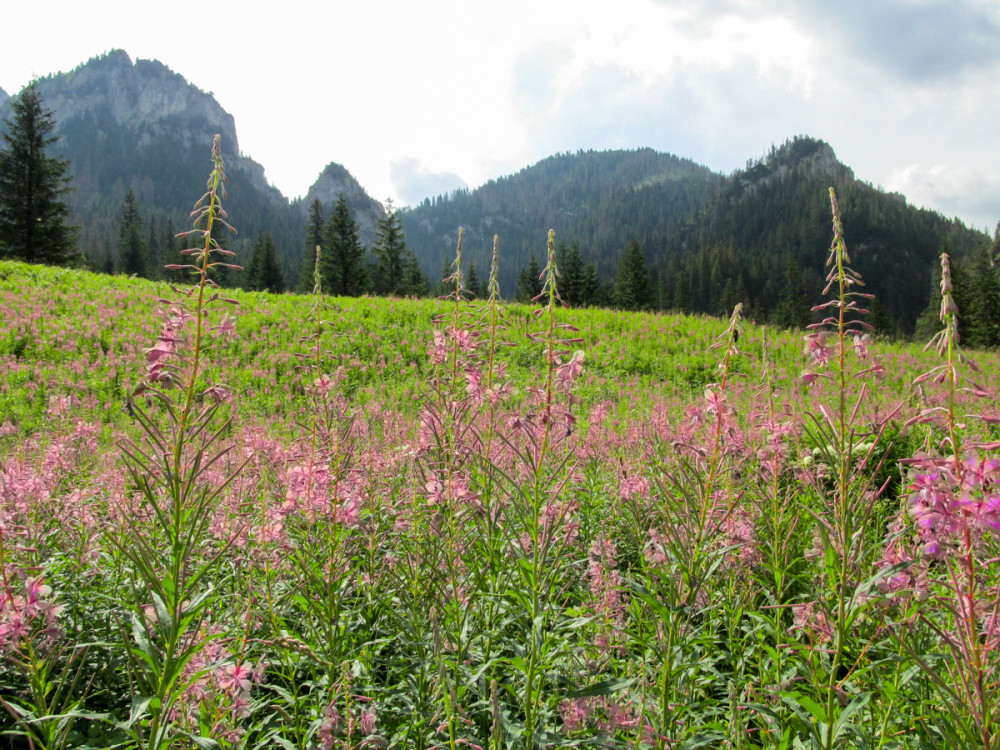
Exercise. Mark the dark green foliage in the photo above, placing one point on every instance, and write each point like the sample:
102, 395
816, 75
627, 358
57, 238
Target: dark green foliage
757, 236
595, 198
976, 283
529, 285
131, 250
315, 236
792, 310
342, 260
879, 320
580, 285
475, 285
264, 272
392, 274
984, 306
632, 285
33, 215
414, 281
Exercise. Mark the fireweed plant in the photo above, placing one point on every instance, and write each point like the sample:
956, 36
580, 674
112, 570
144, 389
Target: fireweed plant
690, 530
833, 625
541, 512
954, 508
188, 684
315, 527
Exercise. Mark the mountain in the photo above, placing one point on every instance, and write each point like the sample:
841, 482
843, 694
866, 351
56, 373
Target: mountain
765, 232
138, 126
759, 235
587, 197
3, 96
334, 180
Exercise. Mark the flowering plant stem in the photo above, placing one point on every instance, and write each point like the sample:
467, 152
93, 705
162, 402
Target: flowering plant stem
169, 470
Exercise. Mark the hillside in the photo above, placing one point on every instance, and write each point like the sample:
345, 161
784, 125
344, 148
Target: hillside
758, 236
589, 197
764, 233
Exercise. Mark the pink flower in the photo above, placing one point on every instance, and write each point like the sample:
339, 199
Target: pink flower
234, 678
817, 349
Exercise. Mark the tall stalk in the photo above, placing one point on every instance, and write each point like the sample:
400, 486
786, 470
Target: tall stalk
168, 468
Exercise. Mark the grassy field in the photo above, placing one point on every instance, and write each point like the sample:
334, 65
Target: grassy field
419, 524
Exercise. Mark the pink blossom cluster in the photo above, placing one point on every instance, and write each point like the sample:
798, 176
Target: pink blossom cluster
221, 682
26, 612
953, 502
605, 715
358, 723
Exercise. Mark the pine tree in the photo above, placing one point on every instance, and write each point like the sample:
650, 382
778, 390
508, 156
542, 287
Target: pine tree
475, 285
414, 280
793, 309
390, 253
572, 270
342, 260
529, 285
984, 303
33, 215
131, 251
264, 273
315, 235
592, 291
632, 280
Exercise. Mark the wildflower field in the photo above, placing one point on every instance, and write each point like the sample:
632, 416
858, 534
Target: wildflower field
306, 522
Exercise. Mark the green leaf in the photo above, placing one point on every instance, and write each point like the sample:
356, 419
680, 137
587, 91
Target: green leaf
164, 620
805, 706
142, 640
604, 687
140, 707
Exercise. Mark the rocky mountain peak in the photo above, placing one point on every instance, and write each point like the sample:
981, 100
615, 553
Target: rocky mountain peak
810, 155
334, 180
144, 97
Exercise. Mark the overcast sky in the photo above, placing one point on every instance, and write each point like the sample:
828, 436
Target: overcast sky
417, 98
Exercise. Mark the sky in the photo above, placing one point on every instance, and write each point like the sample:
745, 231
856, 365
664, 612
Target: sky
416, 99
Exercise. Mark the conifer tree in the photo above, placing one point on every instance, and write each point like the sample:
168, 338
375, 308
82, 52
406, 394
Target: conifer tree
315, 235
572, 269
632, 288
792, 310
414, 280
473, 283
592, 291
33, 214
342, 261
131, 251
264, 273
390, 254
984, 303
529, 285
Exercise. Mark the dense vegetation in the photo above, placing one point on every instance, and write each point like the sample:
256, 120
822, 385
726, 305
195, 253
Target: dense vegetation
421, 524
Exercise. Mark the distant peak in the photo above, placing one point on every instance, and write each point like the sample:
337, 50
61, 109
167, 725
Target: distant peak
803, 148
117, 58
799, 153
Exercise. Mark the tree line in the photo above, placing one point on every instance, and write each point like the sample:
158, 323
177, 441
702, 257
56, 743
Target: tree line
771, 280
